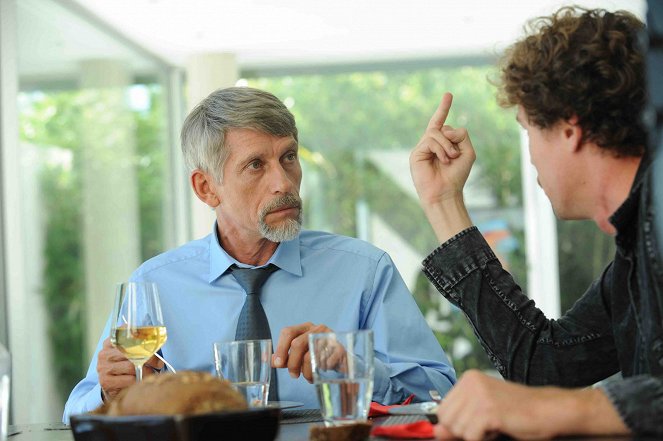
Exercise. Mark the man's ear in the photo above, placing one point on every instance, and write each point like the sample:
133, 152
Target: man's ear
204, 186
572, 133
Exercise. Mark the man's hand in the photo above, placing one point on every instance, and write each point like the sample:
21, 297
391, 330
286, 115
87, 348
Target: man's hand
330, 354
440, 165
116, 372
292, 349
441, 161
481, 407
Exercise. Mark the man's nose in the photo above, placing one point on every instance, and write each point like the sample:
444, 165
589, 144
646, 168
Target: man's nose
280, 180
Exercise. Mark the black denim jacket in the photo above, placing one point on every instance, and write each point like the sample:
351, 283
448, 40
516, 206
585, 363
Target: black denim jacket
615, 326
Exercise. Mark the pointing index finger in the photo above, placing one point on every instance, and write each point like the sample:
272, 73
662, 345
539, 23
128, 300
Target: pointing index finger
440, 116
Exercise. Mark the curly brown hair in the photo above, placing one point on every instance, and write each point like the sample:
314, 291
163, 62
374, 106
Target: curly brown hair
583, 63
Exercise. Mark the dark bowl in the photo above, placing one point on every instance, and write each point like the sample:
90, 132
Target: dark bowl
253, 424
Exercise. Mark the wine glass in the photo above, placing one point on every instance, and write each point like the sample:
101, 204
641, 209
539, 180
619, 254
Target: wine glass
137, 327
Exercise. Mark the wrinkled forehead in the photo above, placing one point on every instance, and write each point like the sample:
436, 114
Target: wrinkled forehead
249, 142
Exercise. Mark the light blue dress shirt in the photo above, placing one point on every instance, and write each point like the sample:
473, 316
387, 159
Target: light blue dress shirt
341, 282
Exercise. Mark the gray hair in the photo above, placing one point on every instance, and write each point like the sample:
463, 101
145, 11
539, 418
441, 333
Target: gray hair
204, 129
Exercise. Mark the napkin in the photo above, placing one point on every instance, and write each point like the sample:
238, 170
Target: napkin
419, 430
378, 409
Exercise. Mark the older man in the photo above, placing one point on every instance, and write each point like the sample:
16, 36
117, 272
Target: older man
578, 84
241, 146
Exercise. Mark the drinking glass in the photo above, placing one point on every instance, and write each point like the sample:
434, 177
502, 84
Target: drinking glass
247, 364
342, 364
137, 328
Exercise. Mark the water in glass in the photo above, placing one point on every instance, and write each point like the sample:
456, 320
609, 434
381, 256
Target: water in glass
344, 401
342, 364
247, 365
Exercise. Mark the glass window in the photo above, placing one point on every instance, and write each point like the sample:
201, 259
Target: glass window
584, 251
356, 131
94, 203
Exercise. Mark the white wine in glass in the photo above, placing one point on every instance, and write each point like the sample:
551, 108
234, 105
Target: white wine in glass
137, 330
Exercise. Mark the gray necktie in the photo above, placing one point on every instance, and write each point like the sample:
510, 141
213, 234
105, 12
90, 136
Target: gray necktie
252, 323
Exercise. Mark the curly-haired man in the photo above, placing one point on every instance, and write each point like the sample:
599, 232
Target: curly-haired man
577, 81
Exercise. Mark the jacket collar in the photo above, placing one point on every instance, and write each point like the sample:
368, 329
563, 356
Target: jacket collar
622, 218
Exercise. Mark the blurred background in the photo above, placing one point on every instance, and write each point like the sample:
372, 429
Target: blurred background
92, 96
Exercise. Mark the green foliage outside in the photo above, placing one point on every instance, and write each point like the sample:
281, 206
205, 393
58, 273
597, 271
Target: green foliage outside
583, 251
390, 110
50, 123
151, 142
63, 286
344, 117
457, 337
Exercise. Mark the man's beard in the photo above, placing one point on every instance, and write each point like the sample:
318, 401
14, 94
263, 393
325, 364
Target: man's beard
284, 231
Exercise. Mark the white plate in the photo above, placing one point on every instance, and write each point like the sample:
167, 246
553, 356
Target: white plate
426, 408
284, 404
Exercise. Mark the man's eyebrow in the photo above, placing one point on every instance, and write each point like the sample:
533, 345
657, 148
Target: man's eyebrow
241, 163
294, 145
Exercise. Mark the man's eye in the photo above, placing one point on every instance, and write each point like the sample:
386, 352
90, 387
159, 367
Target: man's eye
255, 165
291, 156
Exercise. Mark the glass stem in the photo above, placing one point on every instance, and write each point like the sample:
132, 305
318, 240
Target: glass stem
139, 373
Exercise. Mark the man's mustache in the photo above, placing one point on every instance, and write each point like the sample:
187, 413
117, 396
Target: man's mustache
286, 201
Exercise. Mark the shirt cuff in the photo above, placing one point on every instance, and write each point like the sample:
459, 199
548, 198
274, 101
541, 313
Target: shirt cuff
381, 381
639, 402
86, 403
93, 400
452, 261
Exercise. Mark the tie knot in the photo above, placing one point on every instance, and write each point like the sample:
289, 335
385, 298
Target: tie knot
252, 279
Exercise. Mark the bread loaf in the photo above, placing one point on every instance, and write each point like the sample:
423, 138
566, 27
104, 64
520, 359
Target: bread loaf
184, 393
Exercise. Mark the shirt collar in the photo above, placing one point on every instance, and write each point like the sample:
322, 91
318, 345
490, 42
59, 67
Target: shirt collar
287, 257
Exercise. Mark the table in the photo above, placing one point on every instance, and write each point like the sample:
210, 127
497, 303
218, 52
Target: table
287, 432
61, 432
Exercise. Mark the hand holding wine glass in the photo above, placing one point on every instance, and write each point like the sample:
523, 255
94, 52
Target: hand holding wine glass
137, 329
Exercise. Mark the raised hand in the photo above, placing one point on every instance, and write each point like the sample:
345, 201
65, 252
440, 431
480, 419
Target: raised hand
440, 165
441, 161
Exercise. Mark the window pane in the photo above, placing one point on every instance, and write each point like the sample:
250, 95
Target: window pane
93, 144
356, 131
584, 252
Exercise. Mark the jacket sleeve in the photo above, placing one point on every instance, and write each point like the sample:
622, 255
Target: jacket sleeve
639, 402
576, 350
